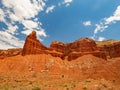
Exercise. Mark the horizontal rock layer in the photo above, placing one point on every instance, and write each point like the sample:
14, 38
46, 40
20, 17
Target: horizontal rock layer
68, 51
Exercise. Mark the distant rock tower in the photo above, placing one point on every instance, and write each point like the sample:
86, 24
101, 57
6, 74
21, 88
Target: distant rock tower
32, 45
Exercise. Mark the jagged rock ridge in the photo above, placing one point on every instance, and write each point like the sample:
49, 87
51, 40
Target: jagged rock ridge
10, 52
32, 45
68, 51
111, 50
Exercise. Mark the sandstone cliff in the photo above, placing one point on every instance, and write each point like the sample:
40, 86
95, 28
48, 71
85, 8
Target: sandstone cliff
111, 48
82, 47
10, 52
82, 60
68, 51
32, 45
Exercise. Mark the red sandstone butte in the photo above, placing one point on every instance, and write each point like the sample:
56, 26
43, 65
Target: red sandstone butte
32, 45
68, 51
111, 50
82, 47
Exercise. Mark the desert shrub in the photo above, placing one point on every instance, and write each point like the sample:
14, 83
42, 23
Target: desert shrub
6, 87
99, 88
73, 85
34, 75
104, 85
63, 76
67, 88
36, 88
84, 88
88, 80
65, 85
114, 81
18, 80
30, 82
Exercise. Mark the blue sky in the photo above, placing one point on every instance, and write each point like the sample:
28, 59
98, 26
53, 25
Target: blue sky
61, 20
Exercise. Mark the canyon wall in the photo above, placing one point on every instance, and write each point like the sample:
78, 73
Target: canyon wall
111, 50
69, 51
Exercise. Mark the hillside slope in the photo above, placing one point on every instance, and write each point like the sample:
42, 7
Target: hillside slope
50, 72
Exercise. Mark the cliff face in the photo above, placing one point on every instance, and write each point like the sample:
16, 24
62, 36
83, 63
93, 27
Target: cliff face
82, 60
10, 52
82, 47
32, 45
111, 50
68, 51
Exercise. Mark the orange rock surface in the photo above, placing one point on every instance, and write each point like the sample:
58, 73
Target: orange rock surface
32, 45
10, 52
111, 50
74, 66
82, 47
68, 51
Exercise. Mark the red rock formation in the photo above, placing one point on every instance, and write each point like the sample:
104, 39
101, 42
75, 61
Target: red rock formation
57, 46
111, 50
32, 45
10, 52
57, 49
68, 51
82, 47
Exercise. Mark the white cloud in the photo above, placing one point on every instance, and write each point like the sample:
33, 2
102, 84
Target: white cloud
104, 24
12, 29
101, 38
2, 15
115, 17
4, 45
29, 24
13, 17
27, 31
9, 40
50, 9
40, 32
25, 8
100, 27
87, 23
66, 2
23, 12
